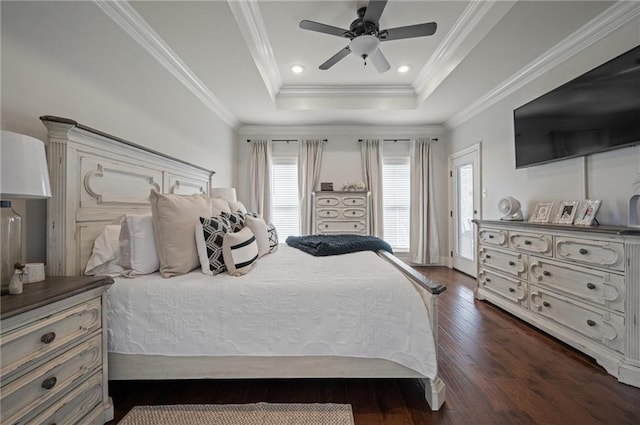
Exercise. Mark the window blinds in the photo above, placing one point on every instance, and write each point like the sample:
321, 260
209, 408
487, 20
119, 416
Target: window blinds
285, 208
396, 200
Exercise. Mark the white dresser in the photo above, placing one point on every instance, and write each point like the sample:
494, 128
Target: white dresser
340, 212
581, 285
53, 363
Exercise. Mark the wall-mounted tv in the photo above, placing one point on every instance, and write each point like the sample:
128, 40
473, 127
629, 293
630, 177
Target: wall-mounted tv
596, 112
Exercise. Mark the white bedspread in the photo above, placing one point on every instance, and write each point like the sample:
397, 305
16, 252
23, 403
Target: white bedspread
290, 304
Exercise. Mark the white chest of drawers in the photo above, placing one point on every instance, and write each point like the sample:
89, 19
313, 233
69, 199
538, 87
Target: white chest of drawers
340, 212
581, 285
53, 353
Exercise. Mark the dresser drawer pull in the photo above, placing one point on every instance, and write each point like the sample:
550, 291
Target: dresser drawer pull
546, 273
527, 242
48, 337
354, 213
355, 226
583, 251
488, 279
487, 256
49, 383
512, 290
511, 263
546, 304
326, 225
591, 322
490, 236
591, 285
354, 201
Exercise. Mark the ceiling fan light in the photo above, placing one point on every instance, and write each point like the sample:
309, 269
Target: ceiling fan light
364, 45
297, 69
403, 69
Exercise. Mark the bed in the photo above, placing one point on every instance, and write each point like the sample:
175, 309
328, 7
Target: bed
362, 315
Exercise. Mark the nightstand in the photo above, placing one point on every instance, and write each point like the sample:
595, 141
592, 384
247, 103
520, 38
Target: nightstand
53, 363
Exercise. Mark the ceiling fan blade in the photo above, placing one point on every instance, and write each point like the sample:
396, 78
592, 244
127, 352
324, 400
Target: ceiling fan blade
374, 11
410, 31
323, 28
379, 61
335, 58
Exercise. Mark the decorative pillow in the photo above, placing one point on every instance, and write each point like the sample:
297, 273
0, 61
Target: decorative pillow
174, 224
138, 253
236, 219
105, 256
240, 251
259, 229
237, 206
273, 237
219, 205
209, 237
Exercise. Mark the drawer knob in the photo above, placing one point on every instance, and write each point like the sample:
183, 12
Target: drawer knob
355, 225
546, 273
591, 322
49, 383
326, 225
488, 279
512, 290
546, 304
527, 242
354, 201
591, 285
48, 337
354, 213
490, 236
487, 256
511, 263
583, 251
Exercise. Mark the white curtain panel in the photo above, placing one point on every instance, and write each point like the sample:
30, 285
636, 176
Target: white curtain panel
261, 178
371, 150
309, 163
424, 243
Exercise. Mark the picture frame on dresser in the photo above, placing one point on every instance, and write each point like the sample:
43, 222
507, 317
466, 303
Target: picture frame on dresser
566, 212
541, 213
587, 214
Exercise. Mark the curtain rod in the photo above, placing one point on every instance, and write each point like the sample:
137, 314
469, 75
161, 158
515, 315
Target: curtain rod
285, 140
400, 140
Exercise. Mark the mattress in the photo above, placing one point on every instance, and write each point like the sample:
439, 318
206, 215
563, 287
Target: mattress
290, 304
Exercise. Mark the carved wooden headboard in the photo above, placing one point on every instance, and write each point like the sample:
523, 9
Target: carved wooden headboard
95, 179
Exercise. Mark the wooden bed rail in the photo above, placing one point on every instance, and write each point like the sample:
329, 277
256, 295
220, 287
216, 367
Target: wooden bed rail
423, 281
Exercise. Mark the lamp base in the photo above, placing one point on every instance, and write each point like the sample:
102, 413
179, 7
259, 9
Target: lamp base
10, 243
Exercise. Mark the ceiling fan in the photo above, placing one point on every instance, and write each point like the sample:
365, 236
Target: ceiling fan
365, 35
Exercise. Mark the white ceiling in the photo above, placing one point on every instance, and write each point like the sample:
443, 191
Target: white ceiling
235, 56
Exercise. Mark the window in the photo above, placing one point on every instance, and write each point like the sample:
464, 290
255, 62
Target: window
396, 201
285, 208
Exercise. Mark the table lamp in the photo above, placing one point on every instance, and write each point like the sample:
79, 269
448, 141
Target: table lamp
228, 193
23, 175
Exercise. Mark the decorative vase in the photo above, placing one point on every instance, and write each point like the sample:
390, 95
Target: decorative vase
10, 242
634, 213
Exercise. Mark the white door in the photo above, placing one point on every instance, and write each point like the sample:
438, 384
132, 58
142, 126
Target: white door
464, 205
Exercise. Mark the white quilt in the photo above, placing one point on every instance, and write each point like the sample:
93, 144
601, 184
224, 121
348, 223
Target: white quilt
290, 304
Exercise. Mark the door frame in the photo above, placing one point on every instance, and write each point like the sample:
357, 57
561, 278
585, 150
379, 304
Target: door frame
476, 149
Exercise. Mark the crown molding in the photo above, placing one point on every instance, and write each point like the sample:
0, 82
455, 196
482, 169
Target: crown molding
249, 18
365, 97
478, 18
125, 16
339, 130
602, 25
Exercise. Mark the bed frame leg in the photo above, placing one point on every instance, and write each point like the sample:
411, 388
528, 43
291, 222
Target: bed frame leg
434, 392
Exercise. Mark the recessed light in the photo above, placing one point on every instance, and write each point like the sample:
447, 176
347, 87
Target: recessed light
297, 69
404, 68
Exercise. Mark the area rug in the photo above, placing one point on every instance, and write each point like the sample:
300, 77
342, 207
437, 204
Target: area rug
241, 414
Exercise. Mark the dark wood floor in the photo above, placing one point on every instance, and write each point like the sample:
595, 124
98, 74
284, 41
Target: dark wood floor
498, 370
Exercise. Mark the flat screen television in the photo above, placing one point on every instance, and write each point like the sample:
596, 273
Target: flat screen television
596, 112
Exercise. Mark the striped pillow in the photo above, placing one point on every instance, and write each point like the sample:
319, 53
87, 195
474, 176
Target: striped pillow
240, 251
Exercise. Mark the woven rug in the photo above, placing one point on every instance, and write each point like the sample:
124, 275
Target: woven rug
241, 414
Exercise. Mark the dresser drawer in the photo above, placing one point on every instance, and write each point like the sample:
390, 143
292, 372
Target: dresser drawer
328, 213
511, 263
592, 252
531, 242
353, 201
507, 287
353, 212
75, 405
599, 287
493, 236
327, 201
28, 344
45, 383
341, 227
603, 327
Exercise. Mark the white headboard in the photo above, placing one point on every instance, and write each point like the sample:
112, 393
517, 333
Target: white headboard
96, 178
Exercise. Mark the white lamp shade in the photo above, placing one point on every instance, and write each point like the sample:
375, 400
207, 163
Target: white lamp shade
228, 193
24, 173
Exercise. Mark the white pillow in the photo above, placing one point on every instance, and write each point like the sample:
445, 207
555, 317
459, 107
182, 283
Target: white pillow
105, 256
240, 251
219, 205
237, 206
138, 253
259, 228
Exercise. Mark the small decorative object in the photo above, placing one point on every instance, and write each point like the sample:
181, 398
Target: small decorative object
634, 205
33, 272
587, 214
541, 213
15, 285
326, 187
566, 212
353, 187
510, 207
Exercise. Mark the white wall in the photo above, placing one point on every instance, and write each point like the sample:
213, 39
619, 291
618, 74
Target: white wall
610, 176
60, 59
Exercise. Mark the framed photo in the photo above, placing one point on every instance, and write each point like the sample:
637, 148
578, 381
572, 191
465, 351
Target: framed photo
588, 212
541, 213
566, 212
326, 186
